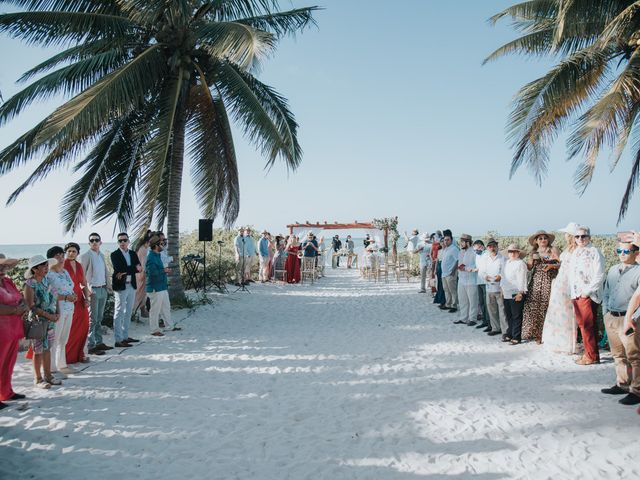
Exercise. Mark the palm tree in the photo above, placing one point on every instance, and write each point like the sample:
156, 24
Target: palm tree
149, 78
594, 89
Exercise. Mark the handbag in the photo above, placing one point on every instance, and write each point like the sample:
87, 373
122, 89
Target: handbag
35, 327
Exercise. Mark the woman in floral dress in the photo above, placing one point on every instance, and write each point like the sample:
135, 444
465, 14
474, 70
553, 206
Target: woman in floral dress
560, 329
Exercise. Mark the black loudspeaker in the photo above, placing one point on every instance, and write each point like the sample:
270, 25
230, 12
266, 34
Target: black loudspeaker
205, 230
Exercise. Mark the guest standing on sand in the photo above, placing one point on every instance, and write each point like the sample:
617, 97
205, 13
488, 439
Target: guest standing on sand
77, 341
543, 261
586, 278
467, 282
157, 289
514, 288
63, 288
126, 266
40, 299
141, 294
623, 280
450, 272
559, 333
493, 269
12, 308
99, 283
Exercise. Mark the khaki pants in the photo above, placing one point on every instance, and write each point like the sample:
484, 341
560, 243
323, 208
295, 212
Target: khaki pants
450, 285
245, 274
468, 297
626, 354
160, 308
495, 305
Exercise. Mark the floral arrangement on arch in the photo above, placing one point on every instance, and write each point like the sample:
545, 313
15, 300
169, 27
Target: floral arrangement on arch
390, 224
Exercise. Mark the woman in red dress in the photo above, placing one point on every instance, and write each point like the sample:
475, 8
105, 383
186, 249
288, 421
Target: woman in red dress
80, 323
293, 262
12, 307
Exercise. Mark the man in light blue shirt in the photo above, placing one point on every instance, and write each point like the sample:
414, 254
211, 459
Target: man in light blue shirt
450, 272
265, 259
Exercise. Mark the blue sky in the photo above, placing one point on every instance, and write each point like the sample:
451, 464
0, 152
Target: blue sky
398, 117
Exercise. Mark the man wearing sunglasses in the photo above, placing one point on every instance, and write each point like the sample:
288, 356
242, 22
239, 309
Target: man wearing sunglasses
125, 266
586, 278
99, 284
622, 282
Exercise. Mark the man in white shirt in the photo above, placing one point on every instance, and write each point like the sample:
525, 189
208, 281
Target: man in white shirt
622, 284
492, 268
449, 265
99, 284
467, 282
424, 251
481, 254
586, 278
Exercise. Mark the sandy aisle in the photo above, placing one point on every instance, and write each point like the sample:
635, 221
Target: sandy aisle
343, 379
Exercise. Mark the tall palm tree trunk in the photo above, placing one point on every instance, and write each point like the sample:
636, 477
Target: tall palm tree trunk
176, 288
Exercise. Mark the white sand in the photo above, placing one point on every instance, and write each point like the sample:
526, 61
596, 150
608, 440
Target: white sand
343, 379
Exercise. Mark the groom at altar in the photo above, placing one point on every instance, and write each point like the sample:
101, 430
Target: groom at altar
336, 245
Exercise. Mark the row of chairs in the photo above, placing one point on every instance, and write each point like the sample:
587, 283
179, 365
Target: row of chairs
377, 268
311, 269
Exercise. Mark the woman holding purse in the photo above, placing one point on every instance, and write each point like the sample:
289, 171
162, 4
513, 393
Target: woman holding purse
42, 302
12, 308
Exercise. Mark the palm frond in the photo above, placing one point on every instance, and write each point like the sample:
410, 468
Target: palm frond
67, 80
96, 6
529, 11
238, 43
214, 165
283, 23
58, 28
156, 151
536, 43
542, 106
603, 123
632, 183
82, 196
263, 114
116, 94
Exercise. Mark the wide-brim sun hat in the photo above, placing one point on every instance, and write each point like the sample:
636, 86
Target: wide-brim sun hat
532, 238
35, 261
425, 237
511, 248
571, 228
8, 262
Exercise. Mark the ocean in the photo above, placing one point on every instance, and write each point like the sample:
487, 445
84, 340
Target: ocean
29, 250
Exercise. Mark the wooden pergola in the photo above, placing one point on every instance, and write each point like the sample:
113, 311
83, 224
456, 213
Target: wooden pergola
331, 226
341, 226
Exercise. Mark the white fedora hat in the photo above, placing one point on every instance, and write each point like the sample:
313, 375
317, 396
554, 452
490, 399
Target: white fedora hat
35, 261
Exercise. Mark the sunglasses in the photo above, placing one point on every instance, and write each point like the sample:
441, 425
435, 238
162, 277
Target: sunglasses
94, 240
513, 251
581, 236
123, 240
626, 251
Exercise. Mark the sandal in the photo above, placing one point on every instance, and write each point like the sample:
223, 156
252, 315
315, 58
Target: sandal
40, 383
584, 360
515, 342
53, 380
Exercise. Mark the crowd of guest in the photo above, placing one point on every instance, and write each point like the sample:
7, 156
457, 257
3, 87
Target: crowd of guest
279, 258
541, 294
65, 294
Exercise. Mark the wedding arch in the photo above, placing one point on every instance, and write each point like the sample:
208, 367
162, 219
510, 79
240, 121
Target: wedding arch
387, 226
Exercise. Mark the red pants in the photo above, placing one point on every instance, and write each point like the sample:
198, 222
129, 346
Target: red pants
585, 309
8, 356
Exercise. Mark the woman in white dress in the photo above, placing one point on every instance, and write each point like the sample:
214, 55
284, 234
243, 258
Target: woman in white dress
560, 328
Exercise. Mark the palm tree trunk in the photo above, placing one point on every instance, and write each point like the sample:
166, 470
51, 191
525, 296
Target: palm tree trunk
176, 288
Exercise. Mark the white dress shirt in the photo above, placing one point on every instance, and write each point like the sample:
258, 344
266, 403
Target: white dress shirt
481, 266
514, 279
493, 266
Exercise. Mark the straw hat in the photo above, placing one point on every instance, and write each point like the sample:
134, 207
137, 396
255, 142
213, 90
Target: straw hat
8, 262
532, 238
35, 261
511, 248
491, 240
466, 236
424, 237
571, 228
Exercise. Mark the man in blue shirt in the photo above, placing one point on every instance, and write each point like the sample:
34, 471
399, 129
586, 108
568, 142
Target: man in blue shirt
264, 273
450, 256
157, 288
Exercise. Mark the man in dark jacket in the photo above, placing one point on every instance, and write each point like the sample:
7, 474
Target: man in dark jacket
336, 245
125, 266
